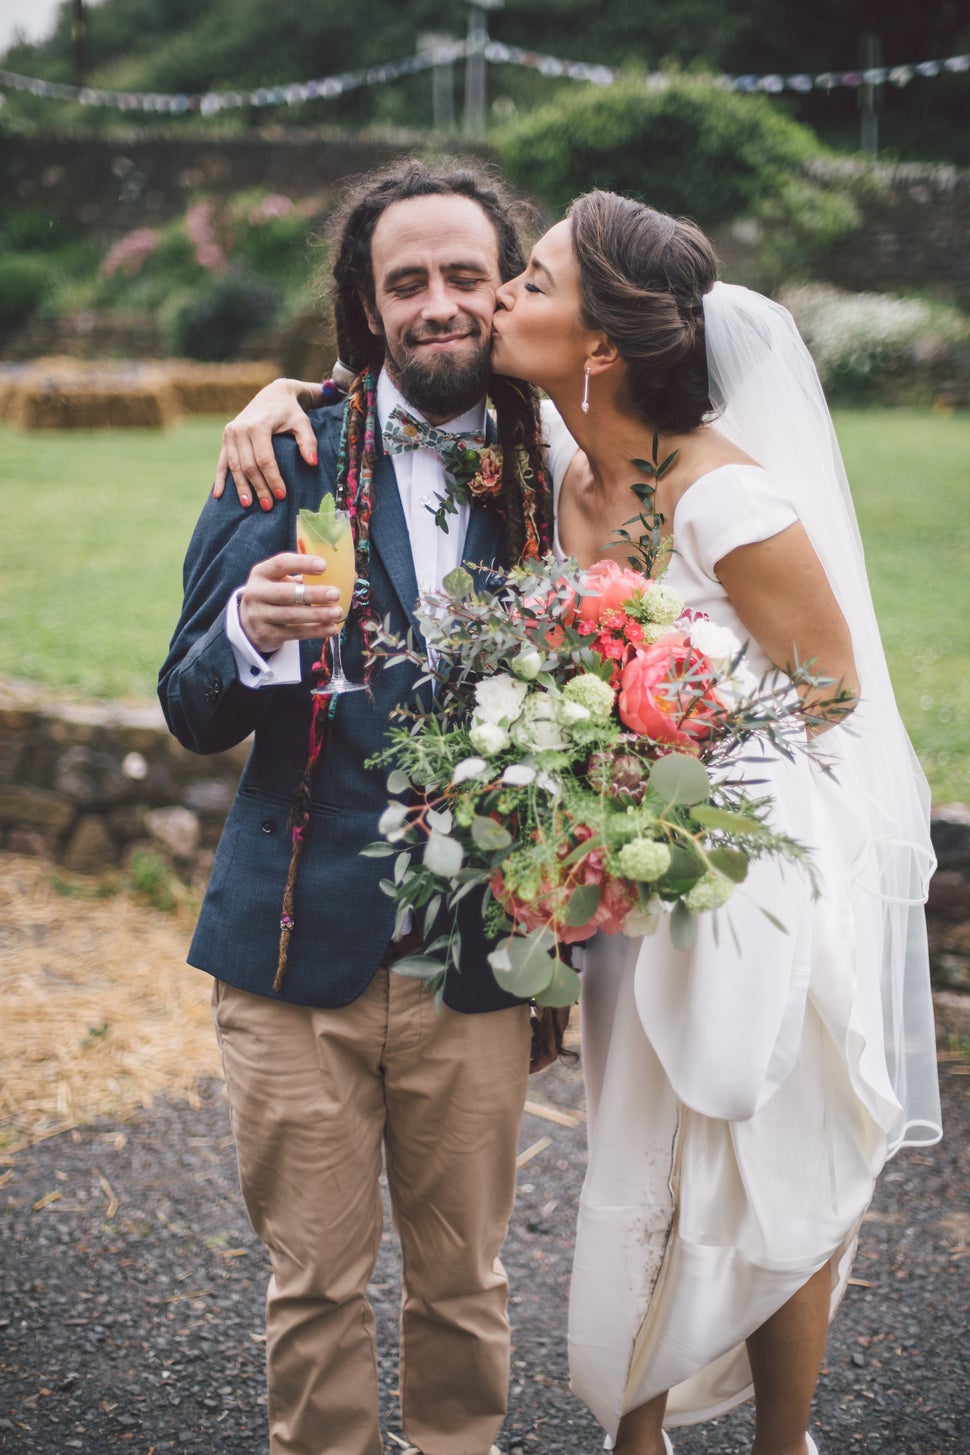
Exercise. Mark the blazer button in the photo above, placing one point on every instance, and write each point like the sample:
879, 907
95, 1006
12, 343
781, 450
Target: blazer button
268, 826
213, 689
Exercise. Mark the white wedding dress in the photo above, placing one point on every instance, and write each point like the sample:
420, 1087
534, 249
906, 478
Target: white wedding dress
739, 1104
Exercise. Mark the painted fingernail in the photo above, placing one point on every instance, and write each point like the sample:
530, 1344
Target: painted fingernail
266, 504
244, 500
313, 458
280, 493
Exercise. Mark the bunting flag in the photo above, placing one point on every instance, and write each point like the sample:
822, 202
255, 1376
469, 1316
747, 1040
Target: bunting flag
329, 87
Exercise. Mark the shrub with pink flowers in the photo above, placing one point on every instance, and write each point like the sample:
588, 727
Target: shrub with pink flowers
130, 252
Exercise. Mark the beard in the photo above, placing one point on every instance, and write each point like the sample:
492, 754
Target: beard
441, 385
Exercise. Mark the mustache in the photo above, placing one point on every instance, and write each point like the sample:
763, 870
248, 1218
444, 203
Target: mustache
460, 327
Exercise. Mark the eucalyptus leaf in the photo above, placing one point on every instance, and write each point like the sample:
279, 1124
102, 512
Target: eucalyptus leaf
522, 965
563, 988
489, 835
680, 779
731, 863
443, 855
377, 851
683, 927
418, 967
583, 904
440, 821
458, 583
398, 781
401, 866
684, 870
772, 919
710, 817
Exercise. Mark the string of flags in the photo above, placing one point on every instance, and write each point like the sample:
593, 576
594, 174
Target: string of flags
329, 87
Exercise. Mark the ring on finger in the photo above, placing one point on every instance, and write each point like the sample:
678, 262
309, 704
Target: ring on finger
299, 594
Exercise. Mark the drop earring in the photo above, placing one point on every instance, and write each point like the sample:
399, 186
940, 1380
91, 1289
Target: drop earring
584, 406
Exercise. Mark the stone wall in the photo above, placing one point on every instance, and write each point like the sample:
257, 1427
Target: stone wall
86, 785
916, 216
103, 186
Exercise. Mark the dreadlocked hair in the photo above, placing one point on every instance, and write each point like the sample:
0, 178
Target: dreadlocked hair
351, 231
526, 499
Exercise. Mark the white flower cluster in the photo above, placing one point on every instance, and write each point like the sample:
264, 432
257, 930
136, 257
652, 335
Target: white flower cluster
508, 712
722, 646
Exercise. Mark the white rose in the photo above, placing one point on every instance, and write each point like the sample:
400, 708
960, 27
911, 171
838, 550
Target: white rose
572, 712
716, 642
537, 727
488, 738
499, 699
527, 664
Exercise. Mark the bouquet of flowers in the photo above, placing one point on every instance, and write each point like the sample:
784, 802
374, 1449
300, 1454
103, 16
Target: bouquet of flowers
578, 763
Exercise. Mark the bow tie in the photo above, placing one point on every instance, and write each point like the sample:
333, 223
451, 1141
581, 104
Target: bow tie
403, 432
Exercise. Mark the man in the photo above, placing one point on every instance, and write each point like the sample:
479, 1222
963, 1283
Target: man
330, 1058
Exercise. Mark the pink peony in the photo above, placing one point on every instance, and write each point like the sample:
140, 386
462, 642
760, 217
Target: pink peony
609, 585
660, 684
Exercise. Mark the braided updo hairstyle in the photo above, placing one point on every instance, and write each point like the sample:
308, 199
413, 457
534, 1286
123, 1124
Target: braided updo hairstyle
643, 276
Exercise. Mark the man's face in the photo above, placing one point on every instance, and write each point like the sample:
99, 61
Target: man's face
435, 267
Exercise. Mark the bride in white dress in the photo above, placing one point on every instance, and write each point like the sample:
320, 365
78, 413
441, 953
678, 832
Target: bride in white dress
743, 1095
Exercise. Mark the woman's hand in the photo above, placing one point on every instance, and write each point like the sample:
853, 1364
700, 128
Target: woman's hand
275, 606
247, 440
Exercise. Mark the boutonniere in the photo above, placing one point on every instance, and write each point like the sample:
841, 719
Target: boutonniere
470, 475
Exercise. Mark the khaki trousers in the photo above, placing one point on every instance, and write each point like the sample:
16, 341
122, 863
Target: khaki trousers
315, 1096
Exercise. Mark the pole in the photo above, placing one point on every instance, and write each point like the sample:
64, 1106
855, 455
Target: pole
475, 66
440, 49
870, 94
475, 74
79, 37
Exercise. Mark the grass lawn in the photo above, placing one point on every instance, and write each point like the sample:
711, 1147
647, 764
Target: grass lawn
96, 525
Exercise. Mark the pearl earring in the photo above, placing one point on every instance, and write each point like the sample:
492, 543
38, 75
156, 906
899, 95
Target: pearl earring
584, 406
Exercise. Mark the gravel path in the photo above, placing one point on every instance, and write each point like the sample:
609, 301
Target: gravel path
131, 1292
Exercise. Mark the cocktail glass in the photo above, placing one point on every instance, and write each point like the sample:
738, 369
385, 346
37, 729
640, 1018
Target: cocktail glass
327, 532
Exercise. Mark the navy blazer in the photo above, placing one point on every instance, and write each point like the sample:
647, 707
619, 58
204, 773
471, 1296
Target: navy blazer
343, 918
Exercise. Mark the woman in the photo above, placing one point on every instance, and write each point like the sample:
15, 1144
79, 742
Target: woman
744, 1094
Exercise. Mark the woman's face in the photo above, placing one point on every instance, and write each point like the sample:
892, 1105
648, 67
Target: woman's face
536, 333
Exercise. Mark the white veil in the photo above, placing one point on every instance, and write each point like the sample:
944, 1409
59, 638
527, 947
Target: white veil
769, 400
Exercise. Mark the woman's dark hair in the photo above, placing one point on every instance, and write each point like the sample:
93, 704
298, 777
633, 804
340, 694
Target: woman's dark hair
643, 276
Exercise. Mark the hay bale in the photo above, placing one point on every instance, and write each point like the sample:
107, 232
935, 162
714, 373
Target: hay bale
220, 389
142, 406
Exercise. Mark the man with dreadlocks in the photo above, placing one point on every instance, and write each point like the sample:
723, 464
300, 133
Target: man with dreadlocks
330, 1059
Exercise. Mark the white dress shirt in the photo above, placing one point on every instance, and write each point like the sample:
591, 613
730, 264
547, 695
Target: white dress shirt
421, 483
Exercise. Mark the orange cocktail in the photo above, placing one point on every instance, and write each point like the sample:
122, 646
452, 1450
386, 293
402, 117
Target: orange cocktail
326, 532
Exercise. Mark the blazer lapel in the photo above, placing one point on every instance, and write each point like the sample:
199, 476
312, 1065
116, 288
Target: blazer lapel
389, 536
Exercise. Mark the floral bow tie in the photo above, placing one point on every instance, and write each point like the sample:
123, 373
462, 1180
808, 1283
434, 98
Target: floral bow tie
403, 432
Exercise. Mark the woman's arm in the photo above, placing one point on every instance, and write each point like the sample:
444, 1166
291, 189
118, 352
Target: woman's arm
247, 446
782, 595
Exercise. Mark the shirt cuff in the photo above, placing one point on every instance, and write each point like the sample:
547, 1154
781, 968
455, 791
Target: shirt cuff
280, 668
